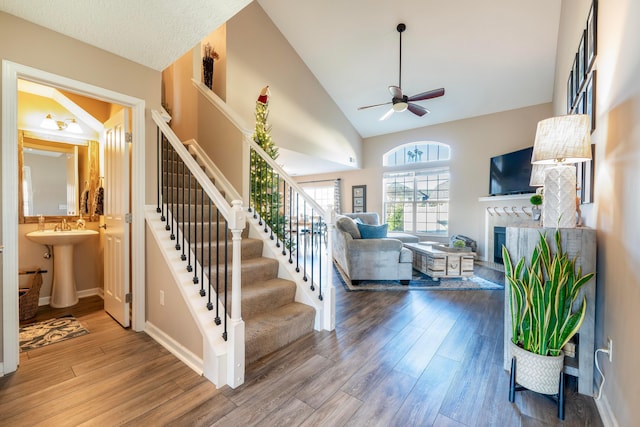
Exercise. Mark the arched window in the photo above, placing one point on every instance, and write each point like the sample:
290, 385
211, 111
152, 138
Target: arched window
416, 152
416, 199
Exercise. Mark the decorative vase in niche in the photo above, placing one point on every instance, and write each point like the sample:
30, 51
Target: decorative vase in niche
207, 67
537, 373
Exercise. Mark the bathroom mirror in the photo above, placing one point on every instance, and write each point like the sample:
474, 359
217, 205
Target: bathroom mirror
58, 179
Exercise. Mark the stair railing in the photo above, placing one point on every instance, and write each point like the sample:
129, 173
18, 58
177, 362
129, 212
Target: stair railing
199, 219
300, 227
297, 224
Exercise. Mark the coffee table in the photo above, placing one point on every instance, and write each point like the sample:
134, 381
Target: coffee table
438, 263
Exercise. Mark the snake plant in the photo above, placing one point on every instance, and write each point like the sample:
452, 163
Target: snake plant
542, 298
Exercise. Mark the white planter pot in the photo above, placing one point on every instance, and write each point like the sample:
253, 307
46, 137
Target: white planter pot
537, 373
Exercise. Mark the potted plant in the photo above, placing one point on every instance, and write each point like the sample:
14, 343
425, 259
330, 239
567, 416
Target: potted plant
543, 319
536, 201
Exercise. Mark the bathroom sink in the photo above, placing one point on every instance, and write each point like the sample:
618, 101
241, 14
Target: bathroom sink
68, 237
63, 292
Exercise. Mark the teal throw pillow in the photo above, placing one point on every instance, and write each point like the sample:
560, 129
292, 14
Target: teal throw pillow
372, 231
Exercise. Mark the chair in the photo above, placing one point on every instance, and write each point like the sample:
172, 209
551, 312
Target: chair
29, 297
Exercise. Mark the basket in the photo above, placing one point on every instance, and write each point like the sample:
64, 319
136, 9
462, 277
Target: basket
30, 297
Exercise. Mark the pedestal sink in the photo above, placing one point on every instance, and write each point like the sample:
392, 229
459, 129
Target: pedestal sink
63, 293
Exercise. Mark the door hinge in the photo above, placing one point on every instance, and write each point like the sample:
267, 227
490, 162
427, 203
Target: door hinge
128, 218
128, 137
128, 298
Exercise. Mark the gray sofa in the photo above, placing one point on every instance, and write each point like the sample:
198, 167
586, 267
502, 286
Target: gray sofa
371, 258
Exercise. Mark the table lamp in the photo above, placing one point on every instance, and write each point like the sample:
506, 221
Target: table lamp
560, 142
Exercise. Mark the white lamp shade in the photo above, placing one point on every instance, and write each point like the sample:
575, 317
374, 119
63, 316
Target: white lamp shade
49, 123
563, 139
73, 127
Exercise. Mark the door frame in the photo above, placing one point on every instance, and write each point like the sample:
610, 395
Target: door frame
11, 72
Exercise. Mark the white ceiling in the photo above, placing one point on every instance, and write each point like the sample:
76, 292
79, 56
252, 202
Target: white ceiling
490, 56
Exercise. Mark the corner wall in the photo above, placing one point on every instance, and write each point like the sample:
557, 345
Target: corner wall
616, 208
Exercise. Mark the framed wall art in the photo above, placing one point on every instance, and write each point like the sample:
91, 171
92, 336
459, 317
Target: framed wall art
359, 198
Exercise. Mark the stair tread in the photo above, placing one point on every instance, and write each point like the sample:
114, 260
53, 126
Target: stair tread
267, 332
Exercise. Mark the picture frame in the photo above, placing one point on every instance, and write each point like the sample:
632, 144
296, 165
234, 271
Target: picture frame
576, 77
570, 93
359, 198
587, 178
581, 60
591, 39
590, 99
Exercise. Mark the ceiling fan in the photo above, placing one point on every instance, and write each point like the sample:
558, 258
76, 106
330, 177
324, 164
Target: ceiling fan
401, 102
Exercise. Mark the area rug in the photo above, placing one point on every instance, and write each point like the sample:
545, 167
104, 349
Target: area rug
419, 282
50, 331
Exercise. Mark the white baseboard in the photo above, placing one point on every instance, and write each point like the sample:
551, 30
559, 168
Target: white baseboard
175, 348
81, 294
1, 369
606, 413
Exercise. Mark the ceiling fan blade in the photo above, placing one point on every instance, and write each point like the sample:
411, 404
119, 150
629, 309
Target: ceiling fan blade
418, 110
427, 95
374, 105
395, 91
386, 115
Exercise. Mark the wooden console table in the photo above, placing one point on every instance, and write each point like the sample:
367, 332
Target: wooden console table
579, 243
436, 263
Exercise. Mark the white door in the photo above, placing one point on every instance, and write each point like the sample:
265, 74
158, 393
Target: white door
116, 210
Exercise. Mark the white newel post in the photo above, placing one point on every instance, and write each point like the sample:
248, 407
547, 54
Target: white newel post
236, 360
329, 295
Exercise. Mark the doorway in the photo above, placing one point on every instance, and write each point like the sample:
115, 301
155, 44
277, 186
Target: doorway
11, 73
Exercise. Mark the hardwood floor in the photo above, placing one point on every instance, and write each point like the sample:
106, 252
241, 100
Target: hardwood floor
411, 358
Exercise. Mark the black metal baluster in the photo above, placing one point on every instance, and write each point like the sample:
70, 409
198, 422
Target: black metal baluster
290, 224
180, 191
173, 192
306, 243
183, 257
159, 165
320, 232
312, 287
217, 319
260, 189
298, 231
202, 291
254, 184
268, 196
209, 303
226, 277
284, 206
278, 233
164, 167
195, 235
190, 240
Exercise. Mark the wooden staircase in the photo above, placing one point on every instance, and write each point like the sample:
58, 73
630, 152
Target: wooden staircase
272, 317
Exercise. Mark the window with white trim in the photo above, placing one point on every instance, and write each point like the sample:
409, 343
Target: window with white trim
417, 200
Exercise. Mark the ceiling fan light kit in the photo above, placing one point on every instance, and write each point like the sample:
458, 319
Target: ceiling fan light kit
400, 102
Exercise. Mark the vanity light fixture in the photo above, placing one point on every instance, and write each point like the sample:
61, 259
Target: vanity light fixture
69, 125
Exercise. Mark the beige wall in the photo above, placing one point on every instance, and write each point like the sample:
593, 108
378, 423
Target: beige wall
28, 44
173, 318
615, 212
473, 142
302, 115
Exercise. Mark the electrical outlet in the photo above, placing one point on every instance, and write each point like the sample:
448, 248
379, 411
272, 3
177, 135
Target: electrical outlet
610, 348
161, 297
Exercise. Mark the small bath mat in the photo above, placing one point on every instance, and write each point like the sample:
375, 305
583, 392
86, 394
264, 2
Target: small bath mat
50, 331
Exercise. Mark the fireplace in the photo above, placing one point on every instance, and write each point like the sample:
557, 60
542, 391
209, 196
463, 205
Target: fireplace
499, 239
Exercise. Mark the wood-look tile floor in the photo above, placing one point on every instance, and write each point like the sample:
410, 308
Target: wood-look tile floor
418, 358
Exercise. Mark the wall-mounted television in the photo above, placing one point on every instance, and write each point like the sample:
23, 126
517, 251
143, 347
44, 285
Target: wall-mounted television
510, 173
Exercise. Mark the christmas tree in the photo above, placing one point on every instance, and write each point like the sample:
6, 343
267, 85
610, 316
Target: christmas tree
265, 193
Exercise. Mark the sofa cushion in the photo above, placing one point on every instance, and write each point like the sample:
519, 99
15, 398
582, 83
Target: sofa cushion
348, 225
372, 231
370, 218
